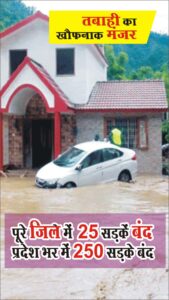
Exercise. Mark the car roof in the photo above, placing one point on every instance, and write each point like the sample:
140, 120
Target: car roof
95, 145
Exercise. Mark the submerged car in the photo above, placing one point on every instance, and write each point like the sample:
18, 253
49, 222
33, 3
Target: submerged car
87, 164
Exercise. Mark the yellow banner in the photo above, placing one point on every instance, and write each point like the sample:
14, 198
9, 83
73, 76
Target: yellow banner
100, 27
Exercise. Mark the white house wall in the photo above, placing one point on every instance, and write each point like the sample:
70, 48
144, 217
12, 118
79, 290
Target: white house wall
34, 39
74, 86
96, 70
29, 38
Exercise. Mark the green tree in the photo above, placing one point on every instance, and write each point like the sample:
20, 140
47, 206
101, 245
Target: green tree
13, 11
153, 54
116, 63
144, 72
165, 130
165, 77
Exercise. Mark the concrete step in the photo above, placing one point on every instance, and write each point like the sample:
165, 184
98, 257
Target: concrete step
20, 173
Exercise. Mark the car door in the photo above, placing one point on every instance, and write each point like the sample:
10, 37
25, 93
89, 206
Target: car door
112, 161
91, 171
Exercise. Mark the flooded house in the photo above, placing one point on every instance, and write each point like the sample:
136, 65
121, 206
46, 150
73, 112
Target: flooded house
54, 96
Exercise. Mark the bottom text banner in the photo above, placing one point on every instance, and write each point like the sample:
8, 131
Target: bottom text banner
85, 240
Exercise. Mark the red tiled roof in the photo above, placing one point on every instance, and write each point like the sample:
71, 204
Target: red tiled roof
127, 95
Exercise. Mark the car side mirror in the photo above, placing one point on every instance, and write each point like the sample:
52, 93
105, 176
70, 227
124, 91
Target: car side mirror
79, 167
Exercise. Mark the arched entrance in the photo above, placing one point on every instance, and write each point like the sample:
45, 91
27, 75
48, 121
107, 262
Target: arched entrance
31, 129
38, 133
30, 117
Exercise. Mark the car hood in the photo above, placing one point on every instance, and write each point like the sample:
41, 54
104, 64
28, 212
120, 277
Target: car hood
52, 171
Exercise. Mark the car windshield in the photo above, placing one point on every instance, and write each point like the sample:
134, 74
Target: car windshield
70, 157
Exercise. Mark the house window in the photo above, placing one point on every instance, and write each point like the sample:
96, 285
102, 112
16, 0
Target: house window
134, 131
65, 61
16, 57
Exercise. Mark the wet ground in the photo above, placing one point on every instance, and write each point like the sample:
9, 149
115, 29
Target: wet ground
148, 194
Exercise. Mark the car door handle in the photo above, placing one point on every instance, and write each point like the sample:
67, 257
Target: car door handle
98, 168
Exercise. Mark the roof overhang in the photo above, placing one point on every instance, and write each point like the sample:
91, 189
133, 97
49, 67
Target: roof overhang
22, 23
123, 110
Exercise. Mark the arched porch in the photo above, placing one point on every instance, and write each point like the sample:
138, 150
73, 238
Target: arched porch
30, 117
31, 135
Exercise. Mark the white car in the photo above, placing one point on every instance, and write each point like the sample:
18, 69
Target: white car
87, 164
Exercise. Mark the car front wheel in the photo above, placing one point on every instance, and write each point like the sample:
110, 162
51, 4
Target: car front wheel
70, 185
124, 176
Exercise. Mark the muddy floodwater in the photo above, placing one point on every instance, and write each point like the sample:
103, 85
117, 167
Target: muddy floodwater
147, 194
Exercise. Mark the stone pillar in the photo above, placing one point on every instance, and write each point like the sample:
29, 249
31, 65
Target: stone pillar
57, 134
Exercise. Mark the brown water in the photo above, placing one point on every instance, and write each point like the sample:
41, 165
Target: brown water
19, 195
